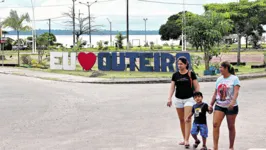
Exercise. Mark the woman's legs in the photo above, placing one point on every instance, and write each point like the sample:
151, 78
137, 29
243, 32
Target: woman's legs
218, 117
180, 112
188, 110
232, 130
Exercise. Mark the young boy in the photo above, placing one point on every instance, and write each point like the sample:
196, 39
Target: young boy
200, 121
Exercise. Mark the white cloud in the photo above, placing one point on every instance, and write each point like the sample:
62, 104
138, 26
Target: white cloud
157, 14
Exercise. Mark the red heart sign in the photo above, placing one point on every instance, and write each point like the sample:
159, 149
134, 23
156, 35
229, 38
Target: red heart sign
87, 60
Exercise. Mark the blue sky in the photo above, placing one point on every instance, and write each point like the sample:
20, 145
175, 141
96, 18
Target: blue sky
157, 14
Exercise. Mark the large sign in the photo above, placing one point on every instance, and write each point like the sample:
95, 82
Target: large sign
117, 61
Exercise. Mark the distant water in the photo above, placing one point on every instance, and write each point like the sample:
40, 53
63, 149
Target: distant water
136, 40
67, 40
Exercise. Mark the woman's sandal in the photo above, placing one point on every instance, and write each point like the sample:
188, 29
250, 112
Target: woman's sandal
187, 146
182, 143
196, 144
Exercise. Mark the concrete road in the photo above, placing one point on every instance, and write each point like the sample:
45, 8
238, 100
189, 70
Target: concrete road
41, 114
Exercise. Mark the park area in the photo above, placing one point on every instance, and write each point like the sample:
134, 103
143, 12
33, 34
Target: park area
252, 62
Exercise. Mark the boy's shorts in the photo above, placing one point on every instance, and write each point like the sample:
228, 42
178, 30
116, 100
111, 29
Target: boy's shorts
203, 128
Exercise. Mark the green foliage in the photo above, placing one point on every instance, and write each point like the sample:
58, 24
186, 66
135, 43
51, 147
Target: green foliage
196, 61
247, 16
206, 31
158, 47
119, 40
152, 45
100, 45
15, 21
173, 27
106, 43
26, 59
165, 44
8, 44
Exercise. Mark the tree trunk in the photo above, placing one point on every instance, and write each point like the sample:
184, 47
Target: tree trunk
246, 42
239, 48
206, 60
18, 48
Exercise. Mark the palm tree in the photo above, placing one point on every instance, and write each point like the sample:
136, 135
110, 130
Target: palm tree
16, 23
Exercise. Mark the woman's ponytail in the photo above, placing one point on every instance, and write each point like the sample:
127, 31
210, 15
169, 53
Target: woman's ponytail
230, 67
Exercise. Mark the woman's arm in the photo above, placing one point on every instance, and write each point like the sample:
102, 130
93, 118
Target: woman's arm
233, 102
196, 85
171, 91
213, 98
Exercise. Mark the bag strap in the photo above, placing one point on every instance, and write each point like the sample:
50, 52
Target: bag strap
189, 74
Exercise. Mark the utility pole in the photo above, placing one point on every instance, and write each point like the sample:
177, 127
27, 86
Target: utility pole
49, 39
88, 4
145, 20
127, 27
74, 24
33, 30
110, 31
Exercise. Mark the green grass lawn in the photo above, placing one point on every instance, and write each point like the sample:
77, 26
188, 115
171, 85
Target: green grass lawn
128, 74
136, 74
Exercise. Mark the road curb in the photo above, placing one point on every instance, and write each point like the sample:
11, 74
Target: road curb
132, 80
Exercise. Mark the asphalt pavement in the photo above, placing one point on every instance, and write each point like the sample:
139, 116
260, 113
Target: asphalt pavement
52, 115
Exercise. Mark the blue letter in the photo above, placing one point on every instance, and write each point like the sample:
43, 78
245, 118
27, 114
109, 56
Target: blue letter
157, 62
121, 66
108, 62
132, 59
166, 64
144, 62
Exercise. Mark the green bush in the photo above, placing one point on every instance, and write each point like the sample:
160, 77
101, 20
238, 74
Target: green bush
26, 59
165, 44
100, 45
158, 47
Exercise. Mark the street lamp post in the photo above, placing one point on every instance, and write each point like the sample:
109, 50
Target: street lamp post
145, 20
88, 4
110, 31
127, 26
74, 24
33, 30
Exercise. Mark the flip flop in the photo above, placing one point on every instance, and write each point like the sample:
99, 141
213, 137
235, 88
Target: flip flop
182, 143
204, 148
187, 146
196, 144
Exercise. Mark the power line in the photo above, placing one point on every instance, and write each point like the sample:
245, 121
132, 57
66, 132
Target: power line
172, 3
51, 18
37, 6
59, 5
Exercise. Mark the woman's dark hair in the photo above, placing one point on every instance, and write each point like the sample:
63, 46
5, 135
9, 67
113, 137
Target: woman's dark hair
230, 68
184, 61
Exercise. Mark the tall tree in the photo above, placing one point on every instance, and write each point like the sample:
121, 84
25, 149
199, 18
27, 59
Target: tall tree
172, 29
206, 31
242, 13
15, 22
